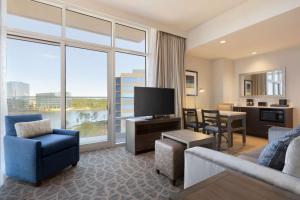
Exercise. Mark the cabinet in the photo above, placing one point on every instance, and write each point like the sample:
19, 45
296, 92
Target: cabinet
141, 133
260, 119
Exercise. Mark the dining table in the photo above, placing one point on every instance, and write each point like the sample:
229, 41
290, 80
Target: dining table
229, 117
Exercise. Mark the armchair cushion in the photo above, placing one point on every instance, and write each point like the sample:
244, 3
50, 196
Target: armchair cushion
53, 143
33, 129
10, 122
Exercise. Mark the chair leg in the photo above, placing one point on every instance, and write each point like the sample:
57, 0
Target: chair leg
173, 182
74, 165
157, 171
37, 184
219, 141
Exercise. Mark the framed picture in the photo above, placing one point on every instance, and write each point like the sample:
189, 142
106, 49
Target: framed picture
247, 88
191, 83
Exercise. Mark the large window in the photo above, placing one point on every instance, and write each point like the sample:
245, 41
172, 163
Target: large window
33, 79
63, 63
28, 15
86, 86
129, 72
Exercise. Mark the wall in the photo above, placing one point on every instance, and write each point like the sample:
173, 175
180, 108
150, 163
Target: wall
223, 80
204, 69
290, 59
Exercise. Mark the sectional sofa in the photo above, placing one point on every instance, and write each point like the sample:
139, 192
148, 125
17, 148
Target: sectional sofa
202, 163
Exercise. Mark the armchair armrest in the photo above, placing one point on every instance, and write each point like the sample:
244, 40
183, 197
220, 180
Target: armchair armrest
22, 158
67, 132
275, 132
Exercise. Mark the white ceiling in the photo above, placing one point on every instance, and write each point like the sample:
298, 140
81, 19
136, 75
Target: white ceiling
280, 32
182, 15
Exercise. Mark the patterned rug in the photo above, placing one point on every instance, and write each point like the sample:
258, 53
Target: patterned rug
107, 174
110, 174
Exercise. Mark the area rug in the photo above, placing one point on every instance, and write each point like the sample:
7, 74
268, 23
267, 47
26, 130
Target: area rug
110, 174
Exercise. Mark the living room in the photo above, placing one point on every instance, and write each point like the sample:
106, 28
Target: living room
107, 99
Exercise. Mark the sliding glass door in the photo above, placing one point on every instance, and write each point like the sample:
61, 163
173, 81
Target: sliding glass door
33, 79
86, 93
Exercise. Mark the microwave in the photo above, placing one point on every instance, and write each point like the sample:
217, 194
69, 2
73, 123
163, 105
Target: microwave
272, 115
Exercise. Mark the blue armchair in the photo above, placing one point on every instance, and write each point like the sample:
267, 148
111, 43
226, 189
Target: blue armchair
34, 159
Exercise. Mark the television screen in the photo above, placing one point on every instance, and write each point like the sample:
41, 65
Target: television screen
153, 101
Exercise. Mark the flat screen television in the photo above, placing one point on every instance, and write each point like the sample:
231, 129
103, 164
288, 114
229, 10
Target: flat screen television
150, 101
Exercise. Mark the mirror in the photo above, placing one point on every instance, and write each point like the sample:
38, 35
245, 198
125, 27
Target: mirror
267, 83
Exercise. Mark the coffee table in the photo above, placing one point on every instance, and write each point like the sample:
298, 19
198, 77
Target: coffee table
190, 138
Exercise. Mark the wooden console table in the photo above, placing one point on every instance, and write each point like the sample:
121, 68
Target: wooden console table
141, 133
230, 185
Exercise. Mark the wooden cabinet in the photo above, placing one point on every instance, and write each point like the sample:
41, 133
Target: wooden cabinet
141, 133
259, 120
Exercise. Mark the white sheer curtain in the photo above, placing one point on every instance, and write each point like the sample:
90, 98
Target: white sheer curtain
152, 58
3, 107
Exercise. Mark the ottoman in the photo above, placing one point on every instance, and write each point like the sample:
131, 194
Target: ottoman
169, 158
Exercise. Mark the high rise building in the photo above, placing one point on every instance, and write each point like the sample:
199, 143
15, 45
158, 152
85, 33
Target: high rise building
17, 96
124, 96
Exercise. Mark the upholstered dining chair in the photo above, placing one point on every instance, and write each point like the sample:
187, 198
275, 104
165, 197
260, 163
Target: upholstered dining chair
190, 119
225, 106
214, 125
37, 158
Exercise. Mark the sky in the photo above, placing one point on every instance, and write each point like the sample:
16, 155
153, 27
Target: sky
86, 70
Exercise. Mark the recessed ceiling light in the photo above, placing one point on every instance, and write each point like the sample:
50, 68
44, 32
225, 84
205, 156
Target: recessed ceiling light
222, 41
254, 53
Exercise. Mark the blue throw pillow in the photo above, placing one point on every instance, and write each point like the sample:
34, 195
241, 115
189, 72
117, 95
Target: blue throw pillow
273, 155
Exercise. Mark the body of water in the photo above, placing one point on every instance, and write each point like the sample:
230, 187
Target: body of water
76, 117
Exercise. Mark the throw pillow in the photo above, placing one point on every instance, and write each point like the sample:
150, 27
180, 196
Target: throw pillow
33, 129
274, 153
292, 159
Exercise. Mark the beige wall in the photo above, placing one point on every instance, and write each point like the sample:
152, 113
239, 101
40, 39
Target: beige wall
223, 80
204, 69
290, 59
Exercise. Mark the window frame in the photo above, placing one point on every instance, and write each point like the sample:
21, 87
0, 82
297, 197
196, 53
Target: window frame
63, 42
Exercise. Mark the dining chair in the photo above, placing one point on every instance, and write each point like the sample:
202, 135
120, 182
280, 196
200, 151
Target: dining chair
214, 125
225, 106
190, 119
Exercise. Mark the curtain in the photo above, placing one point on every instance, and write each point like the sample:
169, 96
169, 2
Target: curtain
3, 107
152, 58
170, 66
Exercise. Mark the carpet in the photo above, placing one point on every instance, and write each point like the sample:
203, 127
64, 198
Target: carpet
112, 174
106, 174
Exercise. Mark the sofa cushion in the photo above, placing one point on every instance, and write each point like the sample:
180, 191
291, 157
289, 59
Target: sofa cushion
292, 159
53, 143
274, 153
33, 128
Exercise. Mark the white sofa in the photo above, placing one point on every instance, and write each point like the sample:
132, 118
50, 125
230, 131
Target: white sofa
202, 163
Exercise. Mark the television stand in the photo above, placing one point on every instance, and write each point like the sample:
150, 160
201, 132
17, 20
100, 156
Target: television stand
141, 133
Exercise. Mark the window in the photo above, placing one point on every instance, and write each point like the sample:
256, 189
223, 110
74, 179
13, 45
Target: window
33, 16
130, 38
86, 86
40, 34
274, 83
33, 79
88, 29
129, 72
